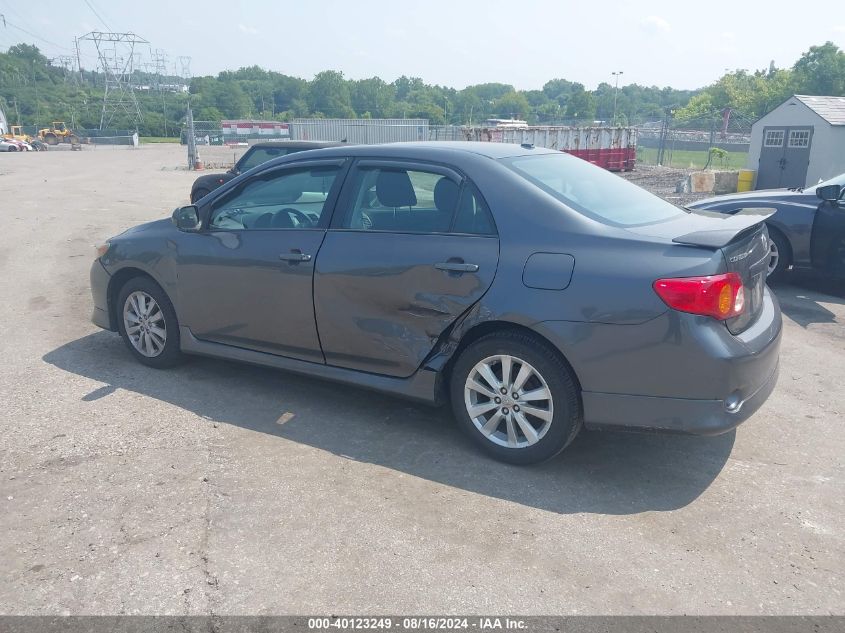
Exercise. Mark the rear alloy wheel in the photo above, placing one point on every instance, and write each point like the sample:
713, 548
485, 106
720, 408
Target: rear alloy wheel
148, 324
516, 398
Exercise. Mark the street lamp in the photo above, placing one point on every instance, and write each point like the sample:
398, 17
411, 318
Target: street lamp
616, 92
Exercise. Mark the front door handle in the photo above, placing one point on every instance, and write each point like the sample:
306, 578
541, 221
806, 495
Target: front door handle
295, 256
457, 267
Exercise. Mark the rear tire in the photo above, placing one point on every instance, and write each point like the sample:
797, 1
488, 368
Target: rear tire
51, 139
518, 430
147, 323
779, 248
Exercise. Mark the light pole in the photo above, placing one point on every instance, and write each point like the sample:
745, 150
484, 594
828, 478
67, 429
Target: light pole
445, 110
616, 92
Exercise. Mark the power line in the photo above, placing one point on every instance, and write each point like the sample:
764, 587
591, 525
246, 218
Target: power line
38, 37
99, 17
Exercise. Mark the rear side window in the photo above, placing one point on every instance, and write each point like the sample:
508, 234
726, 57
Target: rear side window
473, 215
402, 200
260, 155
592, 191
415, 201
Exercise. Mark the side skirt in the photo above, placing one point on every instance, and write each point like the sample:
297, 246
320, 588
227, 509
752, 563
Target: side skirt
422, 386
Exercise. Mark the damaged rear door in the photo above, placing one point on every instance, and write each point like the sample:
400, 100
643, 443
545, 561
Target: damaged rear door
412, 246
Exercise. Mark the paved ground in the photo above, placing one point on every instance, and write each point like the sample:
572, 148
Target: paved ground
231, 489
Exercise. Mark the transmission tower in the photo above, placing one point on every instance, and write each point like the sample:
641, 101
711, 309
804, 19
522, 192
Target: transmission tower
159, 65
182, 67
117, 57
68, 63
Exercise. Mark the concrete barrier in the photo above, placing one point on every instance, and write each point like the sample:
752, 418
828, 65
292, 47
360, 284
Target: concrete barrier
717, 182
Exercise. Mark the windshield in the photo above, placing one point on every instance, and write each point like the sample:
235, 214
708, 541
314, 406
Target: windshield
836, 180
592, 191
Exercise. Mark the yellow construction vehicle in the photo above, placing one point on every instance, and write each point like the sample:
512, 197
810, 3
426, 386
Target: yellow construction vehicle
58, 133
16, 132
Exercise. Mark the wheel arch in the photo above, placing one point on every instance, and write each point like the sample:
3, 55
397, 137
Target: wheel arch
116, 282
483, 328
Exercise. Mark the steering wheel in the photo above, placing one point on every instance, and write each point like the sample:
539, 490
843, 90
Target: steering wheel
303, 219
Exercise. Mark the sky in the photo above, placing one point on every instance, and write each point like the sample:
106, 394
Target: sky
677, 43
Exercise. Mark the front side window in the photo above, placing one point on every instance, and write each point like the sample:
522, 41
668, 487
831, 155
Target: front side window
292, 199
592, 191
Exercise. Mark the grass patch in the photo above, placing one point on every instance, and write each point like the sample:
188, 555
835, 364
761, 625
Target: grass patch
159, 139
689, 159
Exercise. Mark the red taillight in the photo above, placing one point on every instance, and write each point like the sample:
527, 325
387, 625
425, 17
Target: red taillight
719, 296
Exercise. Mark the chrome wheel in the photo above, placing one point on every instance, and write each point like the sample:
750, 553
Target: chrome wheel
508, 401
774, 257
145, 326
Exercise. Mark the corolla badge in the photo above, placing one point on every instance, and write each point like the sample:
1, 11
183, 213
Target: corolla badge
741, 256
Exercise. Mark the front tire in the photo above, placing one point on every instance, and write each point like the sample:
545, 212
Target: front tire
515, 397
779, 256
148, 324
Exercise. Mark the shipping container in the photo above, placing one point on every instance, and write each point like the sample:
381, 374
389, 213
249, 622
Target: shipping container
246, 128
614, 148
360, 131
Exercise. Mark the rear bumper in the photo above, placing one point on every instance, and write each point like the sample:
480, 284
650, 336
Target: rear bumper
677, 373
99, 293
672, 415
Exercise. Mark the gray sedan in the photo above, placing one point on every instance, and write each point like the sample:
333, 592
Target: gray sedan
536, 293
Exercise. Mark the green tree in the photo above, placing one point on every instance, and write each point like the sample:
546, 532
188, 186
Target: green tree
512, 105
820, 71
329, 94
581, 104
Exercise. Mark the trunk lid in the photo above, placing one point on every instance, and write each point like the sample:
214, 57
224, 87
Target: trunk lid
744, 241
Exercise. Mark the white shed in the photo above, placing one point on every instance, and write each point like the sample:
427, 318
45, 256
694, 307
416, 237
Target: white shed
4, 126
799, 143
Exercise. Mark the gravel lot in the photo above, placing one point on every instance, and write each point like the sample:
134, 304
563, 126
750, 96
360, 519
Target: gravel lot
227, 489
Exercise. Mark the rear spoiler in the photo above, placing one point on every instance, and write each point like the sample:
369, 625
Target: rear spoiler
735, 225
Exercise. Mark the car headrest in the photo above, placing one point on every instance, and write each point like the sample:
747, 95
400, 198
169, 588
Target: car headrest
445, 195
394, 189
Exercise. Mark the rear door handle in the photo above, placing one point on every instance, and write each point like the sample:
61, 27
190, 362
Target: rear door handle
295, 257
457, 267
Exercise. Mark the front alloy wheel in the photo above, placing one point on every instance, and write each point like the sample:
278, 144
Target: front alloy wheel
145, 325
774, 257
148, 324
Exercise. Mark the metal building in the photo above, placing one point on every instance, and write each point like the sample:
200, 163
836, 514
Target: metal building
4, 125
360, 131
799, 143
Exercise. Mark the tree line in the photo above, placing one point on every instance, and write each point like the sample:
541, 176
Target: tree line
36, 92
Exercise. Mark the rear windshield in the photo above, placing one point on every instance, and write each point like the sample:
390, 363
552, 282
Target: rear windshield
592, 191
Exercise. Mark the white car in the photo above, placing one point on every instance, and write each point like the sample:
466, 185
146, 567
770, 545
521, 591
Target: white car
9, 146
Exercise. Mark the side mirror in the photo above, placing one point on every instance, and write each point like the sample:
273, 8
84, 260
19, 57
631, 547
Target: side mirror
829, 193
187, 218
